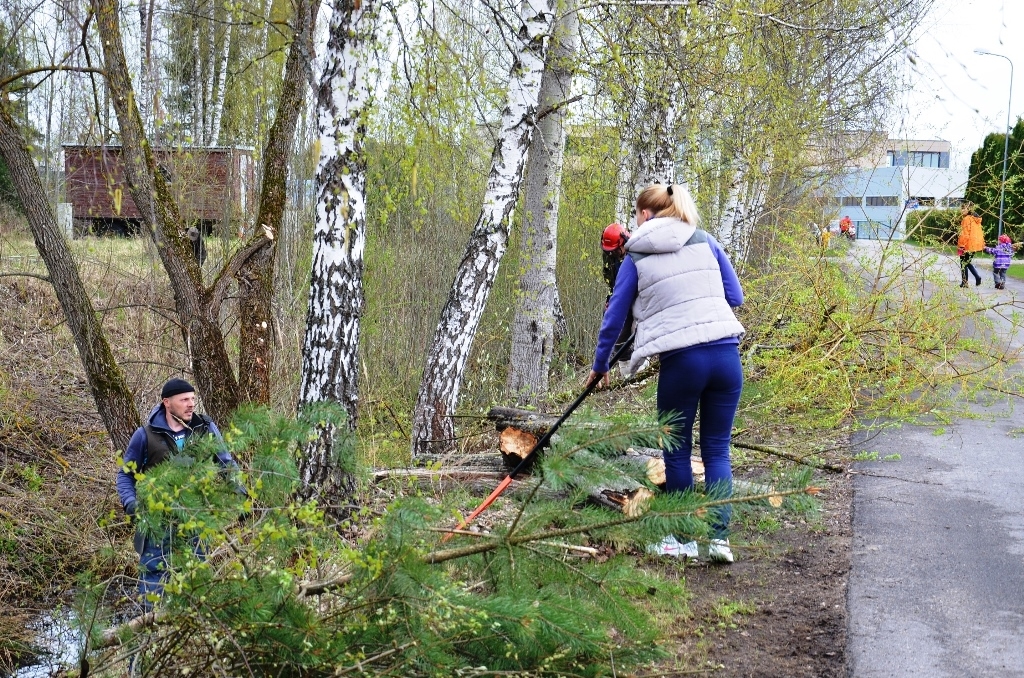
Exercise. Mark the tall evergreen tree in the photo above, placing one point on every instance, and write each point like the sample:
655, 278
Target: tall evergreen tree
985, 180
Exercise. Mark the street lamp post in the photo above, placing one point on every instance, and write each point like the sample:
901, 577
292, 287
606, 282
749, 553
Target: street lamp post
1006, 143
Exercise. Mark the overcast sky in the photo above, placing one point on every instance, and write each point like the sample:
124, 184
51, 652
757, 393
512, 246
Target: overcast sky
955, 94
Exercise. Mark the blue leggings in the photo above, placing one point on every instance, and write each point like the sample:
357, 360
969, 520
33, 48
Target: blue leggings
711, 377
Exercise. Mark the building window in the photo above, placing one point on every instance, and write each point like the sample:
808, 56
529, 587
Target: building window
882, 201
954, 202
925, 159
849, 201
917, 159
923, 201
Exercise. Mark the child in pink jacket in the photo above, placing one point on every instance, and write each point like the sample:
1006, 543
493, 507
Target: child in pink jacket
1003, 253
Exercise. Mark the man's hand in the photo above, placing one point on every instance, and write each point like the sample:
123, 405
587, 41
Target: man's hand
601, 376
129, 510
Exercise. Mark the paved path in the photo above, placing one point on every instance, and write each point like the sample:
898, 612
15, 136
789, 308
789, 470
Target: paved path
937, 581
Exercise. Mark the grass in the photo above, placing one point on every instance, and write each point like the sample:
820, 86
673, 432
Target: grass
1015, 271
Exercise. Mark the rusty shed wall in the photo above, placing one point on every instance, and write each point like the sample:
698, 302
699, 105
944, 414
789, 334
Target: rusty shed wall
211, 184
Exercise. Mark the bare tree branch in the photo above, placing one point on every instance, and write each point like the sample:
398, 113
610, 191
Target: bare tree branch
46, 69
26, 275
220, 285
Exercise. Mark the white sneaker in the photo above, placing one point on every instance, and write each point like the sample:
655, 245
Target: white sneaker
719, 551
689, 550
669, 546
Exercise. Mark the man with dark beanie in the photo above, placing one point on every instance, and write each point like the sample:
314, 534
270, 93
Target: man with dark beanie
170, 425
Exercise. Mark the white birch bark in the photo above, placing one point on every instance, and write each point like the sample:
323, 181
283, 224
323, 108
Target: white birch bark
330, 353
210, 58
144, 81
449, 350
222, 78
744, 203
731, 224
648, 150
658, 155
533, 324
625, 187
196, 88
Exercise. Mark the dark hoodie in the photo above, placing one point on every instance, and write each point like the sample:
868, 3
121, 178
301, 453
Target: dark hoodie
137, 448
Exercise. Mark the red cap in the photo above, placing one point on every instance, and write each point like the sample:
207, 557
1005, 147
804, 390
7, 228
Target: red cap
613, 237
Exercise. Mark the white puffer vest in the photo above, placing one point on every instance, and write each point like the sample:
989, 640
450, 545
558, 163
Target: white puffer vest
680, 299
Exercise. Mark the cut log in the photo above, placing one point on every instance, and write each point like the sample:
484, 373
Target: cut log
628, 496
516, 442
654, 464
656, 470
482, 462
530, 421
632, 502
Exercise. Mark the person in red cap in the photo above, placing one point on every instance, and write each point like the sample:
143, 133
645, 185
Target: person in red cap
613, 251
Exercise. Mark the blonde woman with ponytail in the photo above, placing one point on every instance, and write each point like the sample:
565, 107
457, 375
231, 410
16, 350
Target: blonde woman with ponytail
682, 288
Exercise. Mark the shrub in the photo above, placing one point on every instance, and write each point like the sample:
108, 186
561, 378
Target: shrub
940, 226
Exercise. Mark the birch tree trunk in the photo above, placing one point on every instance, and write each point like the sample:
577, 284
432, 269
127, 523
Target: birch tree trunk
144, 100
648, 150
453, 338
256, 277
196, 86
222, 79
330, 352
625, 184
114, 400
730, 227
744, 203
533, 324
663, 167
196, 307
657, 152
209, 61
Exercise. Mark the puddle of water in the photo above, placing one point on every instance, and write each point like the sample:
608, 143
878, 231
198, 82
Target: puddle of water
59, 641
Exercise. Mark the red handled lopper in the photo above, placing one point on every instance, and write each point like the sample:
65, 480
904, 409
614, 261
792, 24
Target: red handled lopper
537, 447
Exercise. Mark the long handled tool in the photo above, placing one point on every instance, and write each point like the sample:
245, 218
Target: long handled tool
538, 446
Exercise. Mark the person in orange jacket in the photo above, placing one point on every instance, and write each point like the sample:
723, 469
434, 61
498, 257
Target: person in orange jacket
971, 240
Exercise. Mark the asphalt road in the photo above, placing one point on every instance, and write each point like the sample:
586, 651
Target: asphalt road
937, 581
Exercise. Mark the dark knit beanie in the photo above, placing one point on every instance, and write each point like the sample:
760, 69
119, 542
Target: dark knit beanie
176, 386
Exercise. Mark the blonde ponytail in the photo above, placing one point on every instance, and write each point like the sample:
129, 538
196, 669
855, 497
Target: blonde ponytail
669, 200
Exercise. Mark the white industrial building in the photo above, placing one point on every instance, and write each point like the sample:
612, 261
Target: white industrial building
892, 179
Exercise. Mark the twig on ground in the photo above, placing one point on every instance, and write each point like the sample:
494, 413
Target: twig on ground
824, 466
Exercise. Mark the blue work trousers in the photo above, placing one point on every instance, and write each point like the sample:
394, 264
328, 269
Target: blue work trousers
708, 378
154, 555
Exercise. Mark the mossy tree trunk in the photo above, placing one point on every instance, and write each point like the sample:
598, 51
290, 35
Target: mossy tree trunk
256, 276
114, 400
197, 307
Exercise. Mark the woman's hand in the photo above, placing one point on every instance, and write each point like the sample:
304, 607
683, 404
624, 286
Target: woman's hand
601, 376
